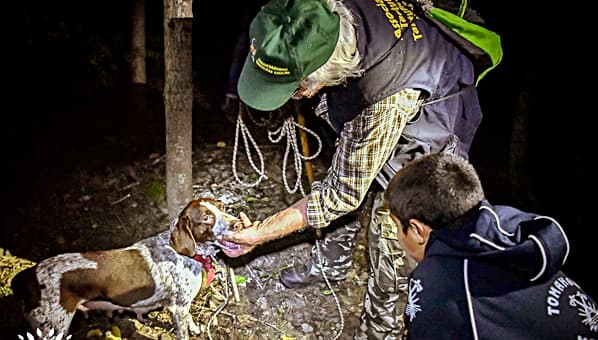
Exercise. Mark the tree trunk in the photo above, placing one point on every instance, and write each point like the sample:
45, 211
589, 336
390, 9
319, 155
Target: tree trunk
178, 103
138, 75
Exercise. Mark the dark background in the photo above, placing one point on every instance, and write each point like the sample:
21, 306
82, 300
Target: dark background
69, 104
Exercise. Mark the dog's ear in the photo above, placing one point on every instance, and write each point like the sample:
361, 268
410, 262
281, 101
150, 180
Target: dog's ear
181, 239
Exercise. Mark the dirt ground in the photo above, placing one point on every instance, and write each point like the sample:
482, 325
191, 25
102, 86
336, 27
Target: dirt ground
110, 205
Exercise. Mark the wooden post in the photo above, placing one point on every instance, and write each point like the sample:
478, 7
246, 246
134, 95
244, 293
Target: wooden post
304, 142
178, 103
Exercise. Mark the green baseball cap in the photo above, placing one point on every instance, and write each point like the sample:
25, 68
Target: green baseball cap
289, 39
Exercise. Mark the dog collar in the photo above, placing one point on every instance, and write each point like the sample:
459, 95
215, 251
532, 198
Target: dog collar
208, 267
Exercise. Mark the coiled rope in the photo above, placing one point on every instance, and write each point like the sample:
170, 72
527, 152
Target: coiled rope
242, 129
288, 129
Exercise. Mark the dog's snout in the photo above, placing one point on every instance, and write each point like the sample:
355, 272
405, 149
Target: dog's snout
221, 228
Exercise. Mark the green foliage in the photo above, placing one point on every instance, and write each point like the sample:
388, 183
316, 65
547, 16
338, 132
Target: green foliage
329, 292
240, 280
154, 191
273, 275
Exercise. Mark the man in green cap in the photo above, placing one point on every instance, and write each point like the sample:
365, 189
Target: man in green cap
394, 88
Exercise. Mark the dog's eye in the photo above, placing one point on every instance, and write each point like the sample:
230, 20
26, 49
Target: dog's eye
206, 218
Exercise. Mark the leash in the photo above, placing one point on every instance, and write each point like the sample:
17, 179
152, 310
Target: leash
336, 301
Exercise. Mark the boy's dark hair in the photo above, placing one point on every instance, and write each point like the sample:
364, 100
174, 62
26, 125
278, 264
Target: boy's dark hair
435, 189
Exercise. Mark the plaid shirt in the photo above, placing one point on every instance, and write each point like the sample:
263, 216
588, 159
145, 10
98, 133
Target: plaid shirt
364, 145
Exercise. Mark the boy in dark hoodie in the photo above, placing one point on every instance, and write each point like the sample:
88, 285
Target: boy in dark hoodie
484, 271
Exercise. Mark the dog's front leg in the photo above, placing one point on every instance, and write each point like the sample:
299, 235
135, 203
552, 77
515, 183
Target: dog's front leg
191, 325
183, 321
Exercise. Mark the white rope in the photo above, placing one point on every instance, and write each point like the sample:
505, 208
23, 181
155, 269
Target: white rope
244, 131
289, 129
338, 304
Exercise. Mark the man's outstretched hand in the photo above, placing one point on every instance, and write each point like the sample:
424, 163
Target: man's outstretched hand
252, 234
241, 242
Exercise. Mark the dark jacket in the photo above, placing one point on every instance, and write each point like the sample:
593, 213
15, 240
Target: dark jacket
401, 50
496, 275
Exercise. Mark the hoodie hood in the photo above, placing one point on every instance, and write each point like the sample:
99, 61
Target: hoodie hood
532, 246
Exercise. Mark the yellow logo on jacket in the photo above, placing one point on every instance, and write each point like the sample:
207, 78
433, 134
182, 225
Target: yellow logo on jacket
400, 16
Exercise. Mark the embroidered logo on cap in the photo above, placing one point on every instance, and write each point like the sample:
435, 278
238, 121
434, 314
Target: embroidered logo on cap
269, 68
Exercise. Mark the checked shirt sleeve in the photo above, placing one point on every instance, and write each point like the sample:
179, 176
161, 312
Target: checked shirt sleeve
364, 145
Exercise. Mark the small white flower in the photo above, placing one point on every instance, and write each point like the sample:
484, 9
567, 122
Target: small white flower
41, 336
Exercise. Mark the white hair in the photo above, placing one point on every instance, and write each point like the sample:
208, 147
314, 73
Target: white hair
345, 59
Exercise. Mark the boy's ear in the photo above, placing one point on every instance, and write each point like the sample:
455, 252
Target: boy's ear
420, 230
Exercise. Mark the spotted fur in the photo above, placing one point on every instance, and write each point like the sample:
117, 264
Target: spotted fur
155, 272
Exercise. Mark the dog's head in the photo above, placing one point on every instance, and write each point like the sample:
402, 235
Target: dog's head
197, 226
226, 225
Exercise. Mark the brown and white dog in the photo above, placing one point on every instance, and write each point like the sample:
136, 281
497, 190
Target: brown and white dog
159, 271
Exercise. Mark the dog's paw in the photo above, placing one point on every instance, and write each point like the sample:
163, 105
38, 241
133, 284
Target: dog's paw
194, 328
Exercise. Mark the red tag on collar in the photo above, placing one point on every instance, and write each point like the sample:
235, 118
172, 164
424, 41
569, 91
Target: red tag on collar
208, 267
